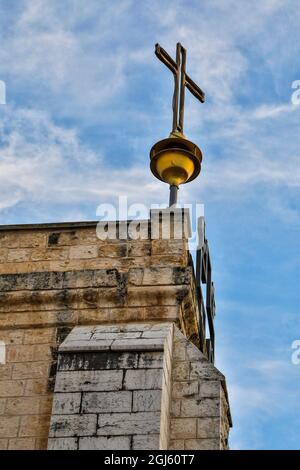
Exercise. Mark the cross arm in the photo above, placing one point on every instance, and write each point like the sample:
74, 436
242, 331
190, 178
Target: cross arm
166, 59
194, 89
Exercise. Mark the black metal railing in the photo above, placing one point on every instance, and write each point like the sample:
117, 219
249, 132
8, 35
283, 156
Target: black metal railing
206, 303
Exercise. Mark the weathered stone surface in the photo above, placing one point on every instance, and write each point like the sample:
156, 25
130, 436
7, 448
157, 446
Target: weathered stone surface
150, 360
106, 402
26, 443
67, 443
59, 276
12, 388
66, 403
185, 389
208, 427
73, 425
146, 400
143, 379
202, 444
3, 444
34, 426
9, 426
183, 428
83, 252
97, 361
146, 442
104, 443
128, 423
205, 407
176, 444
22, 406
89, 381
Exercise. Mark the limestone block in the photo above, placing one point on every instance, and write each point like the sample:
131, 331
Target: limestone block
66, 403
67, 443
30, 370
128, 423
204, 370
181, 371
208, 427
83, 252
146, 400
104, 443
113, 250
39, 336
202, 444
34, 426
73, 425
97, 361
176, 444
205, 407
3, 444
145, 442
18, 255
106, 402
185, 389
143, 379
89, 381
138, 344
2, 405
23, 353
36, 387
22, 406
26, 443
183, 428
9, 426
210, 389
150, 360
12, 388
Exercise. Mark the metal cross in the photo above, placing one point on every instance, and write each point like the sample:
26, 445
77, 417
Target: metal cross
181, 80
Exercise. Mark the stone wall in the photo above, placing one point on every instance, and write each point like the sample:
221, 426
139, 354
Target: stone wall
56, 276
200, 415
108, 390
137, 386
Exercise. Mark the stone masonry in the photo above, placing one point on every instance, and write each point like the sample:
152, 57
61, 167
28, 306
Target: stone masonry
60, 283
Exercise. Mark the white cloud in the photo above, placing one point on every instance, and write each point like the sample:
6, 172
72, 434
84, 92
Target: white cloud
41, 162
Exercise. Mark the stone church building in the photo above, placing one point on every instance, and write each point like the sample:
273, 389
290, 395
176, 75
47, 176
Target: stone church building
109, 344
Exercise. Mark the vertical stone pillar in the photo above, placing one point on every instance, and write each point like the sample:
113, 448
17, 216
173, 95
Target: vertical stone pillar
110, 386
136, 386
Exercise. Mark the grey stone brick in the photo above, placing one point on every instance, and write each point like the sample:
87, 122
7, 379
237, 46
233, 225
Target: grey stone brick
104, 443
63, 443
97, 361
143, 379
145, 442
128, 423
73, 425
66, 403
85, 345
150, 360
89, 381
146, 400
138, 344
106, 402
154, 334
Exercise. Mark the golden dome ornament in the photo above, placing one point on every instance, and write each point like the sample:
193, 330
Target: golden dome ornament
176, 160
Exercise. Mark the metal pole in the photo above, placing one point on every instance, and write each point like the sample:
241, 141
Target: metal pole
173, 195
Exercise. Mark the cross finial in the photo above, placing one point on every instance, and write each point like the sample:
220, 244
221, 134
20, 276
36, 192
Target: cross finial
181, 80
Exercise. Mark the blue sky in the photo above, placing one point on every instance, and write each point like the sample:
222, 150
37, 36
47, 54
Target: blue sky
86, 100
